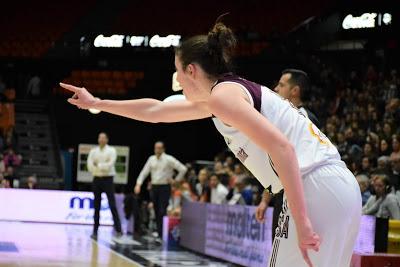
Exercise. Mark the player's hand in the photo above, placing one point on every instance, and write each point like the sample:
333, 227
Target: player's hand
308, 239
81, 97
260, 211
137, 189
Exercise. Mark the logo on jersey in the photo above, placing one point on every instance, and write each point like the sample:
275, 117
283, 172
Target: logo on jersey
242, 155
315, 132
228, 140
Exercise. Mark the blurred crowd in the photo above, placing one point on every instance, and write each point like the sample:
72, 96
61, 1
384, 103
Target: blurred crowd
362, 120
10, 159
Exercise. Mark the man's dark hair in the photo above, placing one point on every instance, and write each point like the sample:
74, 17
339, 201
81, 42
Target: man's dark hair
299, 78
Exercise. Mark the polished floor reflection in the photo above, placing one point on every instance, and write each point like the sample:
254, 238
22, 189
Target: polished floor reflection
56, 245
25, 244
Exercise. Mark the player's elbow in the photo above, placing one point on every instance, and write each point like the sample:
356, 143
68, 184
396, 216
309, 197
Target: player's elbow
289, 148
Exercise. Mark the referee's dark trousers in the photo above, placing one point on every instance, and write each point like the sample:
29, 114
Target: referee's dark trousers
105, 184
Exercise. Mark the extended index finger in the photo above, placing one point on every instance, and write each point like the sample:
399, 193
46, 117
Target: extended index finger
306, 257
70, 87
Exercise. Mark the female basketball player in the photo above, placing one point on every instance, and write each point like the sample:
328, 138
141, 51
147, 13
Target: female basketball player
322, 206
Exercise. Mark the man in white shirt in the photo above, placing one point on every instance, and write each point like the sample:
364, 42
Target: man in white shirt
161, 168
100, 163
218, 190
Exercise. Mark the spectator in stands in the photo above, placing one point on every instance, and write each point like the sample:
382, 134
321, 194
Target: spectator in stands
180, 191
32, 182
2, 164
363, 181
219, 168
247, 192
12, 159
383, 165
395, 173
229, 162
191, 176
384, 148
341, 144
350, 136
218, 191
390, 89
387, 131
234, 196
175, 201
366, 166
240, 172
393, 110
4, 183
33, 89
10, 176
202, 184
384, 204
369, 151
395, 148
187, 192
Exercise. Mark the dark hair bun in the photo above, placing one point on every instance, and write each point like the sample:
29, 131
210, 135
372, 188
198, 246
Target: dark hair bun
221, 41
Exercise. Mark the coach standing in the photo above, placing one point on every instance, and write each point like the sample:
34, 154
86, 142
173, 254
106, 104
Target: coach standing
100, 163
161, 168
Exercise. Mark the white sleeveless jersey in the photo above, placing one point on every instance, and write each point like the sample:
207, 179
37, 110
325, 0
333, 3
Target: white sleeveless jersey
312, 147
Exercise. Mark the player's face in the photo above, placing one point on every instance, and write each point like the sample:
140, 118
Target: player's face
283, 87
186, 81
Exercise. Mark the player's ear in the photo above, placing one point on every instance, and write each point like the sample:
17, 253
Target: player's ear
191, 70
295, 90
